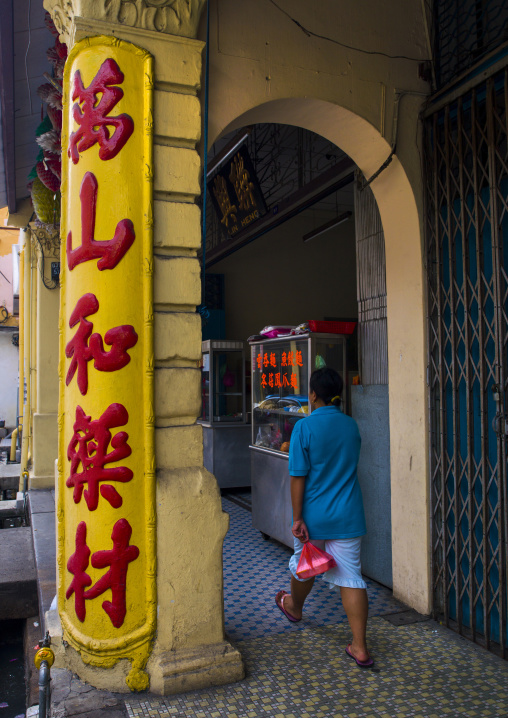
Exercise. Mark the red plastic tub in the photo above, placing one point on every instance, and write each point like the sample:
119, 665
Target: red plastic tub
332, 327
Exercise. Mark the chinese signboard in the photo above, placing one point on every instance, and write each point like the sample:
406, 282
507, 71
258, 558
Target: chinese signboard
236, 194
276, 369
106, 510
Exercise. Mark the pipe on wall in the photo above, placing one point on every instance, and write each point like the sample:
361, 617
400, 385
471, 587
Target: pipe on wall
21, 347
32, 368
25, 239
14, 441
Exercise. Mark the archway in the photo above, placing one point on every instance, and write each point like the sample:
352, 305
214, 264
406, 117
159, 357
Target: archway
406, 323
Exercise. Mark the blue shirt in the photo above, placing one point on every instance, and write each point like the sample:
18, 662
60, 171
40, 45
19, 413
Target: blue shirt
325, 447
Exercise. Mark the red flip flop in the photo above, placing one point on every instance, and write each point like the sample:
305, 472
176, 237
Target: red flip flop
280, 605
362, 664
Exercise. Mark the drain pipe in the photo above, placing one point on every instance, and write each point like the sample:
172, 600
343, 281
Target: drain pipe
44, 659
14, 442
23, 482
26, 344
21, 348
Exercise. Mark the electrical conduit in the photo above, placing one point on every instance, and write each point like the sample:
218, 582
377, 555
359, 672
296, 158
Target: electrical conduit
25, 240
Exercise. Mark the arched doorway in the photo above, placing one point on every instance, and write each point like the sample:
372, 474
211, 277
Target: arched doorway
406, 323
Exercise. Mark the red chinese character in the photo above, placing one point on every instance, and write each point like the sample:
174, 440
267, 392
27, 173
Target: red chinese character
290, 359
259, 361
270, 380
285, 381
77, 565
277, 380
85, 346
118, 559
263, 380
93, 120
284, 359
299, 360
294, 381
266, 361
110, 251
273, 361
89, 446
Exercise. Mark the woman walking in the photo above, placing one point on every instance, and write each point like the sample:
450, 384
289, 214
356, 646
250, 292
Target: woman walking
328, 507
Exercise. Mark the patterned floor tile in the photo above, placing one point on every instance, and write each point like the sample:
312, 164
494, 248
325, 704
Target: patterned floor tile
421, 671
301, 671
255, 569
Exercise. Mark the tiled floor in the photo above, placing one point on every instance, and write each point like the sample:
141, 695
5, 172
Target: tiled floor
421, 673
301, 671
255, 569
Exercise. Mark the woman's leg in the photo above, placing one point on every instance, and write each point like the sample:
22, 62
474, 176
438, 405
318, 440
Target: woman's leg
356, 605
294, 601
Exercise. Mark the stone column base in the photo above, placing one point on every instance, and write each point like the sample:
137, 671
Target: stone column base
45, 450
201, 667
67, 658
170, 672
41, 482
53, 624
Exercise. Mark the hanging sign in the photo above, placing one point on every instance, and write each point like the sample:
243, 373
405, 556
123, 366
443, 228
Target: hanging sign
106, 510
236, 194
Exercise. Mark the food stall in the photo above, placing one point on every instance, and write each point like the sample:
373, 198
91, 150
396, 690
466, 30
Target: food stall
226, 433
281, 368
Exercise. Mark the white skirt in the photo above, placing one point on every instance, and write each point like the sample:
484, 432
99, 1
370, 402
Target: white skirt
346, 552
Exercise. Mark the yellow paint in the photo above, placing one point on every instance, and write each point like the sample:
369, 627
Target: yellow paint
125, 298
189, 650
44, 654
25, 280
21, 387
44, 428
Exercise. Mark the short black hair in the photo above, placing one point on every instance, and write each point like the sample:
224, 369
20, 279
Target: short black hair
327, 384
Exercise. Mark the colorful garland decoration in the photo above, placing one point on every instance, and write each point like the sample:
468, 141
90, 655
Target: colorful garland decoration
44, 179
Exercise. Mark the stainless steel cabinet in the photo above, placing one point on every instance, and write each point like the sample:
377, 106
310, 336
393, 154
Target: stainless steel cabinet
226, 433
281, 369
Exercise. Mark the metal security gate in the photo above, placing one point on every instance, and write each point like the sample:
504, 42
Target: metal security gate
466, 163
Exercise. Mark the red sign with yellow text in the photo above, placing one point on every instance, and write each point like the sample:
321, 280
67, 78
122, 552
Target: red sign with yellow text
106, 511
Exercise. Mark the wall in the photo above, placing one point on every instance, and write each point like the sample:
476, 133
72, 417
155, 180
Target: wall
6, 297
279, 279
8, 379
8, 352
31, 41
258, 55
8, 237
358, 86
369, 408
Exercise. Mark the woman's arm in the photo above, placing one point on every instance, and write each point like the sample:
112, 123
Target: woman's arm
299, 529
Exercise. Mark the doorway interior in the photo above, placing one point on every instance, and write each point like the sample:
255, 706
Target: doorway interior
315, 251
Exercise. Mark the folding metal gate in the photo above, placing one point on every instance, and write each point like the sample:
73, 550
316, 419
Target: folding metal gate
466, 162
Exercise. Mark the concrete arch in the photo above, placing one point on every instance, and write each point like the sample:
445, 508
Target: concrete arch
397, 202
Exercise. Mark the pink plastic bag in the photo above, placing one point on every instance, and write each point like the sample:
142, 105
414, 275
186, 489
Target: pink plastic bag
271, 332
313, 561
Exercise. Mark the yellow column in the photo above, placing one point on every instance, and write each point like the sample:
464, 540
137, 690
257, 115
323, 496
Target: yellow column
45, 416
189, 649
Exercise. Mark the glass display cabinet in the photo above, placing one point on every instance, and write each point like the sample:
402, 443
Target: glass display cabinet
226, 433
281, 369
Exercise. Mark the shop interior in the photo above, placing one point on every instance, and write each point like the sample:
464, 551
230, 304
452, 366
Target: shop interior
291, 262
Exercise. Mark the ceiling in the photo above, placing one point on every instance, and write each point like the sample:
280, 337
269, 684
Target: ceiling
24, 36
